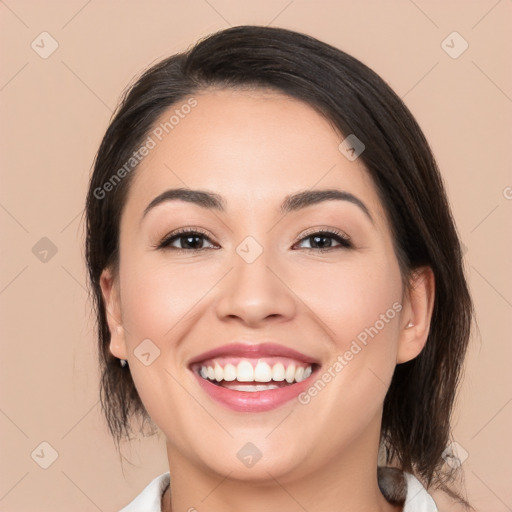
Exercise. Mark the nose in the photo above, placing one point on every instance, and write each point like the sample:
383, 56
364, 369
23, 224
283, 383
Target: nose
255, 293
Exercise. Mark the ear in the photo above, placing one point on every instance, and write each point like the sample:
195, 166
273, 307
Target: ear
416, 314
110, 291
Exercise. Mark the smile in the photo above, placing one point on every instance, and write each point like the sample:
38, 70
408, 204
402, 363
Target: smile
252, 383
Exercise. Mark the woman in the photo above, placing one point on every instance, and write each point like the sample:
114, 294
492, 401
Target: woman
278, 281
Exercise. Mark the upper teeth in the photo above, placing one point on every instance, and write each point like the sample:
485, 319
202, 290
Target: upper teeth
263, 372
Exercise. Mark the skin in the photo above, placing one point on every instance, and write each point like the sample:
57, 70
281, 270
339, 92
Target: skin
254, 148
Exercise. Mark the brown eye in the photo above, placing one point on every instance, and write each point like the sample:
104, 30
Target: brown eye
323, 240
188, 240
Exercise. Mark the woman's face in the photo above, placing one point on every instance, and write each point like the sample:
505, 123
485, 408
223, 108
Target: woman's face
257, 274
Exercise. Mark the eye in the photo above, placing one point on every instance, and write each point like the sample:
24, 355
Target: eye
190, 239
322, 240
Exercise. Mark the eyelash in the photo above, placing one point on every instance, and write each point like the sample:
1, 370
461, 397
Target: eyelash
341, 238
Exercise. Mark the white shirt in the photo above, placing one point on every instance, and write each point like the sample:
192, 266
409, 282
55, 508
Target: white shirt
149, 500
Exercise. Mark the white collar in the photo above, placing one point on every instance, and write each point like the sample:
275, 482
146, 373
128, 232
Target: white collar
149, 500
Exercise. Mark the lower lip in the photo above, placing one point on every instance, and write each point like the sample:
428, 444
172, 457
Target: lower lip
253, 401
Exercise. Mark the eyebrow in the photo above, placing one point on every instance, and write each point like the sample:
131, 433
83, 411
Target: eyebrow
291, 203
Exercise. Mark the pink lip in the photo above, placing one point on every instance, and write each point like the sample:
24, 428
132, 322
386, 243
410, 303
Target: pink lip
254, 351
258, 401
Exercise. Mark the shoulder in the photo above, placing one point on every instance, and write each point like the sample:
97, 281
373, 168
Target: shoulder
418, 498
150, 498
435, 499
446, 503
404, 489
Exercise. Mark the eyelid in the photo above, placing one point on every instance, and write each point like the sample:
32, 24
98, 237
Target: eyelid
344, 239
324, 229
164, 242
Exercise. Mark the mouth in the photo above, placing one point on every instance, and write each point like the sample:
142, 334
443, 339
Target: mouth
253, 378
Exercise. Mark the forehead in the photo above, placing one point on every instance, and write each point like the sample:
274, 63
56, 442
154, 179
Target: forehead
252, 147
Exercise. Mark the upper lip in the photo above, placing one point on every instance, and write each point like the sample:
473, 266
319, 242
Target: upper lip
258, 350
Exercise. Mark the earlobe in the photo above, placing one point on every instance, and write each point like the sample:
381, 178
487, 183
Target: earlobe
110, 292
417, 314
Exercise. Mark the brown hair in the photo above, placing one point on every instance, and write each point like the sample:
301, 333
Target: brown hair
418, 405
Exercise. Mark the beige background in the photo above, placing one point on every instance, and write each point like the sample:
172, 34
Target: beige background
54, 112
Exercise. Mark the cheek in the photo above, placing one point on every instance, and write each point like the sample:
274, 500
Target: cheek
160, 306
359, 308
157, 299
156, 304
360, 311
354, 298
